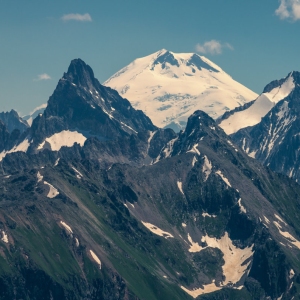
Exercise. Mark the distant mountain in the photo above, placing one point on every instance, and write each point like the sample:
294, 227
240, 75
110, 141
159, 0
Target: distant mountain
13, 121
32, 115
251, 113
169, 87
275, 139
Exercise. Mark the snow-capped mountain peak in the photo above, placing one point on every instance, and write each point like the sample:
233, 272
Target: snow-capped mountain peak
170, 86
251, 115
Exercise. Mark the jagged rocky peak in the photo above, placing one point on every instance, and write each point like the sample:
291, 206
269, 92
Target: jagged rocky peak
192, 60
199, 126
164, 57
199, 120
13, 121
79, 73
199, 63
274, 139
250, 115
80, 107
293, 77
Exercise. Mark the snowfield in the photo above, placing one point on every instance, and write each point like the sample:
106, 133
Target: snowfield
235, 262
263, 104
65, 138
169, 87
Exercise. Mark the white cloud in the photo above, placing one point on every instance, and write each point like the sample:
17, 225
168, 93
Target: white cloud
44, 76
288, 9
212, 47
77, 17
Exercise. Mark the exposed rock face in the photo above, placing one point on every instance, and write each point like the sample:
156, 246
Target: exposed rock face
169, 87
141, 215
12, 121
81, 103
275, 140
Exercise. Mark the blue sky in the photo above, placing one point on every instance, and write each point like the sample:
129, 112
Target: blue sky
254, 41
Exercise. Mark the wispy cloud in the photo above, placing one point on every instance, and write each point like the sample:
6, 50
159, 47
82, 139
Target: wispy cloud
212, 47
77, 17
288, 9
44, 76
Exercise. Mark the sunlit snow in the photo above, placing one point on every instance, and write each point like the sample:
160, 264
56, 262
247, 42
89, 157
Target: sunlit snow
206, 168
157, 230
278, 218
263, 104
194, 149
242, 208
96, 258
67, 227
78, 174
4, 237
234, 267
172, 93
179, 184
23, 147
208, 215
53, 192
223, 177
65, 138
39, 177
287, 235
194, 161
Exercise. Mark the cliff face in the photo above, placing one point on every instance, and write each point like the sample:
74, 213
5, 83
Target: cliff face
142, 214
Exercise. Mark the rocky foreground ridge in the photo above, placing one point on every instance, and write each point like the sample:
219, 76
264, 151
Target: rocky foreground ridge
98, 203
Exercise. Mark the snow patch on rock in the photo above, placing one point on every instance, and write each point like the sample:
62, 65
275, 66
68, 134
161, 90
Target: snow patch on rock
65, 138
223, 177
154, 229
234, 267
242, 208
67, 228
194, 149
4, 237
39, 176
179, 184
262, 105
78, 174
95, 258
287, 235
278, 218
53, 192
194, 161
208, 215
56, 162
206, 168
23, 147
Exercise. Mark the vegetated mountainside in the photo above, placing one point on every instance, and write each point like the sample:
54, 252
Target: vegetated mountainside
169, 87
202, 219
98, 203
274, 141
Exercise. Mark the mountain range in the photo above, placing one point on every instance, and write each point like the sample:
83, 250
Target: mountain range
97, 202
268, 128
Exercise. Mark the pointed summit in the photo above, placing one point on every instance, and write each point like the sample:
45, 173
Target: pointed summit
79, 73
250, 115
166, 57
